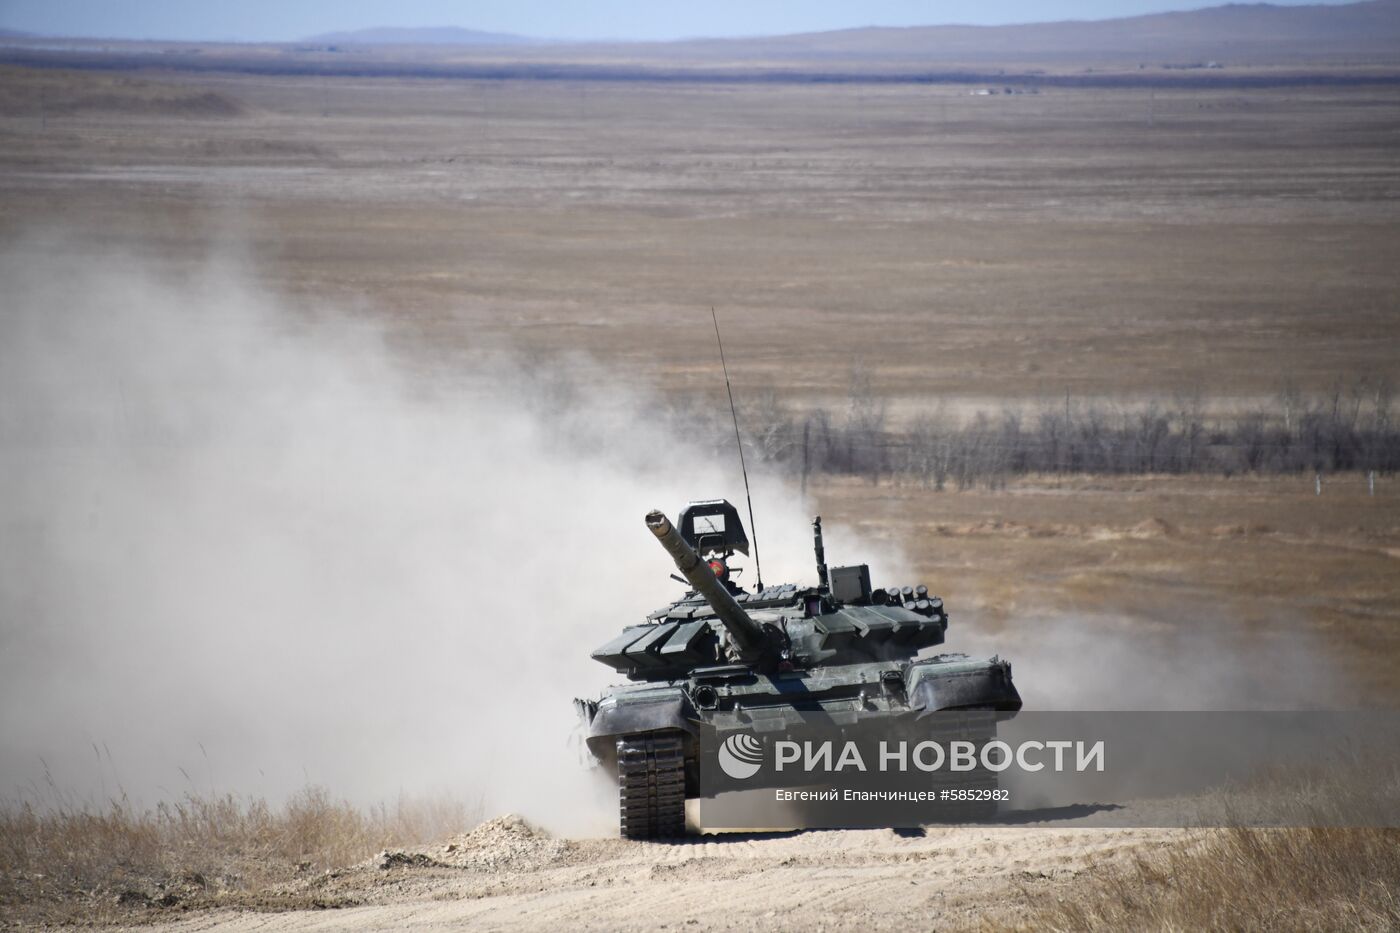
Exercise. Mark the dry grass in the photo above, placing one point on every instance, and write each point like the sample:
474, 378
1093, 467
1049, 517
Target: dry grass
1262, 563
1123, 245
1245, 879
60, 863
1337, 867
62, 93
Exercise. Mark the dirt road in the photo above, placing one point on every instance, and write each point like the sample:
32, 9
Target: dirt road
507, 875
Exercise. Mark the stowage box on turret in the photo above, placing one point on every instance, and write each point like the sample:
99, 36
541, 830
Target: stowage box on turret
720, 656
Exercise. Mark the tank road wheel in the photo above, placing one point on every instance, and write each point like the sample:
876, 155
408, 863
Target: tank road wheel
651, 786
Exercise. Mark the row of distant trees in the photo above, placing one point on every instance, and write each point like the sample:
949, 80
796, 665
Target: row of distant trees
1352, 426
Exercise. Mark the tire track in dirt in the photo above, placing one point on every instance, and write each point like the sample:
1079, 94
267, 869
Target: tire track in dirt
508, 876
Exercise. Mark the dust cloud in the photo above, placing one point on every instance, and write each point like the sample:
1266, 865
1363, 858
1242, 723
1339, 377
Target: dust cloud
1189, 655
245, 545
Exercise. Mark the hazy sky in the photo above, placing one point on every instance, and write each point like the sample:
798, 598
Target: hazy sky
270, 20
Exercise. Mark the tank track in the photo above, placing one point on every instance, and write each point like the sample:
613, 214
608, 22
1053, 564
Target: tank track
976, 726
651, 785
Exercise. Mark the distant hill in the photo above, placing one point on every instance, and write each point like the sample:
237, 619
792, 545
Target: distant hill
432, 35
1237, 33
1237, 42
15, 34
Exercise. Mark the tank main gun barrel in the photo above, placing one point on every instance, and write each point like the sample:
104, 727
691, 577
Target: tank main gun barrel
747, 633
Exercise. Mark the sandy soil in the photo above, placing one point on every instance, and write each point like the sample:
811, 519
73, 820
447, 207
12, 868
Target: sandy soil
506, 875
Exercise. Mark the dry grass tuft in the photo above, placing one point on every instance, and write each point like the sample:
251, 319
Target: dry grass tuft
63, 862
1245, 878
1336, 867
26, 92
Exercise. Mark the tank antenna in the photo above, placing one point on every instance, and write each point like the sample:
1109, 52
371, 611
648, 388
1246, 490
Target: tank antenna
753, 528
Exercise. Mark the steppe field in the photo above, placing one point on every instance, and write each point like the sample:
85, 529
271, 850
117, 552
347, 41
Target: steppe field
1078, 246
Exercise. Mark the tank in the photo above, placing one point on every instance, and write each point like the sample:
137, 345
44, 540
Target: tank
721, 656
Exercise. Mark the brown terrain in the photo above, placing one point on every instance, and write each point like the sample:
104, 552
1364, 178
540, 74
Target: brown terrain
1124, 245
505, 874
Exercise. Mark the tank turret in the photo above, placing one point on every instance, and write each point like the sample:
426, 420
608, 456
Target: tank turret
749, 637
